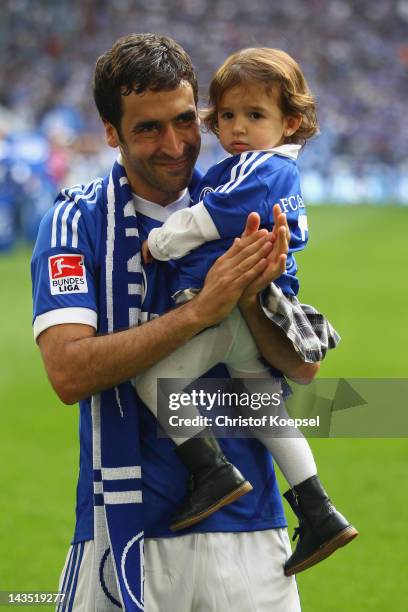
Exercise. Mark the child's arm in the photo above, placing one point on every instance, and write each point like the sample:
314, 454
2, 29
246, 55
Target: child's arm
184, 231
223, 213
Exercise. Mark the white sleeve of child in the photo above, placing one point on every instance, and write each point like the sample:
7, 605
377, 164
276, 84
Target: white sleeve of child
184, 231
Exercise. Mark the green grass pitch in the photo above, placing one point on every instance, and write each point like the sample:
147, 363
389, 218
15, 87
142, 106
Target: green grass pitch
355, 271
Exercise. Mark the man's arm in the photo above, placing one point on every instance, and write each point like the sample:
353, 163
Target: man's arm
276, 347
79, 363
272, 343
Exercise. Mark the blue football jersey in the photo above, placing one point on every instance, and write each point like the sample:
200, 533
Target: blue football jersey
65, 273
230, 190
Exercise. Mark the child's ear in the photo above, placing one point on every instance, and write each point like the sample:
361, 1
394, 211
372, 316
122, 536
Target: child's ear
291, 125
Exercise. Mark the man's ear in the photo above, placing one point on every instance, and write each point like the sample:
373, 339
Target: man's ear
111, 134
291, 125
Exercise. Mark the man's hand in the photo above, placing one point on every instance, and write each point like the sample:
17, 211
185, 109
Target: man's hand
276, 260
272, 343
244, 262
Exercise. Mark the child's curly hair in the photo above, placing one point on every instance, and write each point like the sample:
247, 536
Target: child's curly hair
267, 66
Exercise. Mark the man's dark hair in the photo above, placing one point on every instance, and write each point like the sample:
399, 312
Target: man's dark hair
134, 64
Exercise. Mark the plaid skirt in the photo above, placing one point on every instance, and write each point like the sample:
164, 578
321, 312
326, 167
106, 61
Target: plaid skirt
309, 331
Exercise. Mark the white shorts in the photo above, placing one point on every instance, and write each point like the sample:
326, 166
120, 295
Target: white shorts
206, 572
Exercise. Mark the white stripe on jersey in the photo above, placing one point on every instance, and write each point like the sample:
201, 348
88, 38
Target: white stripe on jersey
243, 161
71, 580
234, 170
93, 193
54, 224
243, 175
75, 229
64, 229
87, 193
89, 198
69, 228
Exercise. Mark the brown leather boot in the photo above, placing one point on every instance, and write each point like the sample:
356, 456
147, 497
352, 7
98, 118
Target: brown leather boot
322, 529
214, 481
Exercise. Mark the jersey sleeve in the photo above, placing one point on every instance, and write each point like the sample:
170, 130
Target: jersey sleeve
285, 191
184, 231
63, 269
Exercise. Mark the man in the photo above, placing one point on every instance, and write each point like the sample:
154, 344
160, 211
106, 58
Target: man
90, 296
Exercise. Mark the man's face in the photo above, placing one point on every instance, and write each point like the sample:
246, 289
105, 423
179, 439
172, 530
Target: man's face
159, 140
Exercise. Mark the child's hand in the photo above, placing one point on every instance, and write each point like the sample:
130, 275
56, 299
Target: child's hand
147, 256
279, 220
275, 256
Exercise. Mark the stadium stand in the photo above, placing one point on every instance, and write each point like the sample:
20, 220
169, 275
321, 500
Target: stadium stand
354, 54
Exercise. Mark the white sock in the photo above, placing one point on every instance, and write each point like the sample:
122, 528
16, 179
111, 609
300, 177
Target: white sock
291, 451
293, 456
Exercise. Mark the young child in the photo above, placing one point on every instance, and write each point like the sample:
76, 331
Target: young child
262, 112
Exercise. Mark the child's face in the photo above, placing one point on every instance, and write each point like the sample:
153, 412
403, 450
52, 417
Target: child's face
249, 118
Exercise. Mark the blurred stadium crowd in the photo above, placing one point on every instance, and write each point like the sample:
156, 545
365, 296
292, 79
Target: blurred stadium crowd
354, 54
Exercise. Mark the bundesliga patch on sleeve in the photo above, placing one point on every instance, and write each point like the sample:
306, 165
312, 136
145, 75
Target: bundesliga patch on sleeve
67, 274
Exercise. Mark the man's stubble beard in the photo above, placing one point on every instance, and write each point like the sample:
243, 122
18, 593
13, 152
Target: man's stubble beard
150, 172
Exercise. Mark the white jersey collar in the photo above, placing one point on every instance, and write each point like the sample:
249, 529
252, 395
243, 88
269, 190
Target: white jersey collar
287, 150
158, 212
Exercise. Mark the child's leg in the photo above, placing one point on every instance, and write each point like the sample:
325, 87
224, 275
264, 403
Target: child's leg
322, 529
290, 450
189, 361
289, 447
214, 482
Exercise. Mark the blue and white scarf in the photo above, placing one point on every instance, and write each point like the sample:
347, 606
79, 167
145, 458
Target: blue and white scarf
118, 512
